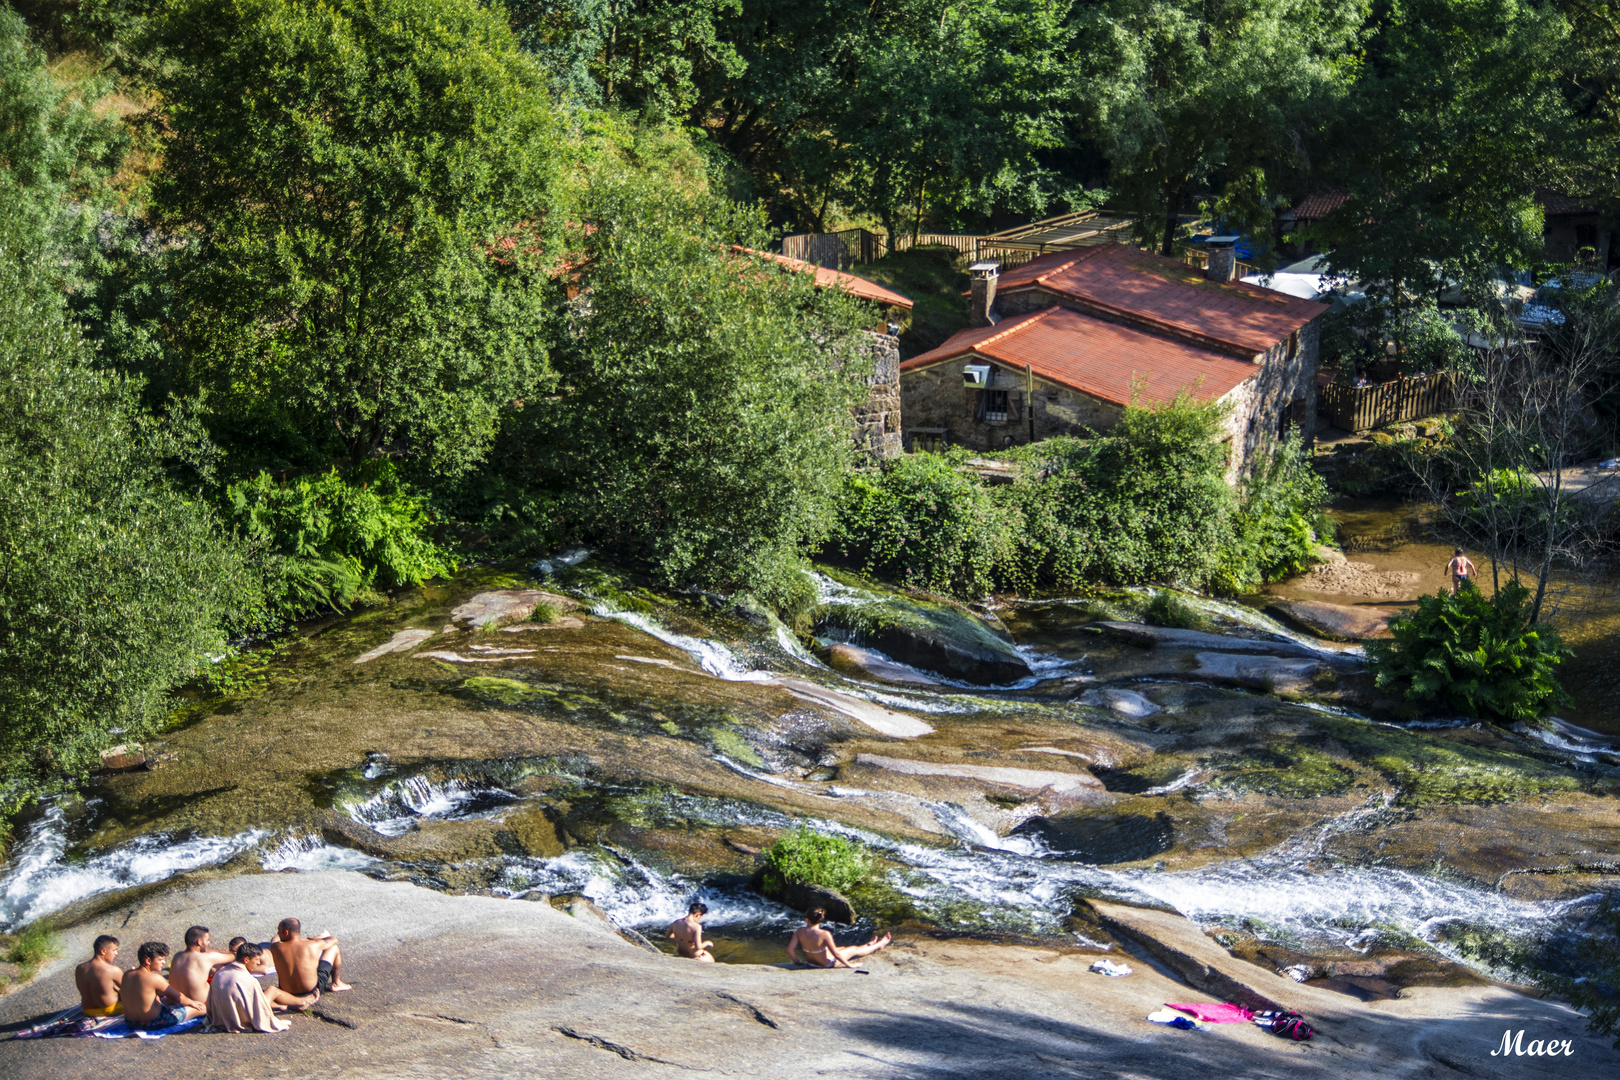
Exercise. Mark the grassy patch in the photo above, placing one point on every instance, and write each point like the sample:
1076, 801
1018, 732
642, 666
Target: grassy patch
1430, 770
935, 281
810, 858
35, 946
544, 612
1168, 609
734, 746
1286, 771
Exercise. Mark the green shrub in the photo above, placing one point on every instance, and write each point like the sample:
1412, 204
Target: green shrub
1479, 657
810, 858
326, 540
544, 613
1275, 530
926, 523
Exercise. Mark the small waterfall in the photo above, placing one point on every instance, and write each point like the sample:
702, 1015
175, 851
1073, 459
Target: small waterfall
404, 802
37, 882
304, 852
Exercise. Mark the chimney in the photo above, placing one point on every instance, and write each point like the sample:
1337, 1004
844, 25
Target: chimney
982, 293
1222, 258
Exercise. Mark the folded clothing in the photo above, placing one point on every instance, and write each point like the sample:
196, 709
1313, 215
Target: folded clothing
1172, 1019
1111, 968
1215, 1013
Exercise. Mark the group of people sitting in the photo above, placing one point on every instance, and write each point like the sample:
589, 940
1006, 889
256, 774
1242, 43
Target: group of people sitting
813, 940
204, 981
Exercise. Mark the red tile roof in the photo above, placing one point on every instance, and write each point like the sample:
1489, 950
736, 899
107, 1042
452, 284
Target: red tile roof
1103, 359
1559, 205
1316, 207
1166, 295
827, 278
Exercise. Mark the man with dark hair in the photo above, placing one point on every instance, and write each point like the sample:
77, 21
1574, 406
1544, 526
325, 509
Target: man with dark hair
148, 999
236, 1001
818, 946
190, 970
304, 964
99, 979
687, 934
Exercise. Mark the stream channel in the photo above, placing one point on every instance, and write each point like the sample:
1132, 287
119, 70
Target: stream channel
642, 748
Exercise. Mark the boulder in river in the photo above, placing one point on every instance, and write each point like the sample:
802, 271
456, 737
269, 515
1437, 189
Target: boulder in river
1256, 672
936, 637
801, 896
1124, 702
1335, 622
503, 606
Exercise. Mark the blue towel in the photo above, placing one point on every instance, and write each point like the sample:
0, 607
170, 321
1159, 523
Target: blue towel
122, 1030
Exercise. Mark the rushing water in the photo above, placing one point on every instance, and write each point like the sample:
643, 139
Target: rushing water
983, 880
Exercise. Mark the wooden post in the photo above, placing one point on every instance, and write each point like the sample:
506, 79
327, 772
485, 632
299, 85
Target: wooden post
1029, 397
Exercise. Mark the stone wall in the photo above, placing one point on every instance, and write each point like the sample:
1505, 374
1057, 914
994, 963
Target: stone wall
938, 408
877, 420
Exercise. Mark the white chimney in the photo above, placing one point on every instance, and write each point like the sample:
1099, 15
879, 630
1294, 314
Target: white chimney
982, 293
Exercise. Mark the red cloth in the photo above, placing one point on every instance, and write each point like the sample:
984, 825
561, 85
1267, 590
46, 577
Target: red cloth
1215, 1013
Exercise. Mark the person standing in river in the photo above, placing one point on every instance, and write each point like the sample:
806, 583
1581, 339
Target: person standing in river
304, 964
819, 950
1461, 569
99, 979
687, 934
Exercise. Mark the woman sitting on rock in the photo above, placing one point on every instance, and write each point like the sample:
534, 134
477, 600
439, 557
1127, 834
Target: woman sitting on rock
819, 950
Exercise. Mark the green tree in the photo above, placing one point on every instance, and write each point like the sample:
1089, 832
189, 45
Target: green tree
114, 586
357, 191
1191, 97
702, 420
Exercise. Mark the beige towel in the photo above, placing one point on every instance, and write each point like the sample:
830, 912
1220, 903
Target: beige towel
236, 1002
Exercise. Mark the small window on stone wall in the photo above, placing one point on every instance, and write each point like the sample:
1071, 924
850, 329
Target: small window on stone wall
992, 407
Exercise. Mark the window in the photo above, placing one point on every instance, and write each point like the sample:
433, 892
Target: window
992, 406
1585, 237
1293, 344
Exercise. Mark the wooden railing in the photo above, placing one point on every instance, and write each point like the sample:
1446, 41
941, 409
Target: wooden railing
1358, 408
857, 247
1200, 259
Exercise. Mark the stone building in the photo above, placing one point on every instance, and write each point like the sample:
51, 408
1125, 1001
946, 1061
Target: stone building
1061, 344
877, 419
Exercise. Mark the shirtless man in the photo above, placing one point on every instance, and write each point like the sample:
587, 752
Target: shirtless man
148, 999
99, 979
189, 972
304, 964
819, 950
687, 934
1461, 568
257, 961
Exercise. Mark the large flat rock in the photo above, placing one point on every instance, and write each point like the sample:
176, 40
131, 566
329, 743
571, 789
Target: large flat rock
1335, 622
460, 986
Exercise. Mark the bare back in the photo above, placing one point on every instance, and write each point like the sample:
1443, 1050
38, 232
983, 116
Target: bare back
99, 983
188, 972
816, 944
688, 937
295, 962
140, 993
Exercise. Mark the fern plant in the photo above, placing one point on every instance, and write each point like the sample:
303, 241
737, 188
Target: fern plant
1483, 658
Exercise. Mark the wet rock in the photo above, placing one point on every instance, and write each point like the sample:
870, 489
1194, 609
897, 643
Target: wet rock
1184, 949
1167, 637
1257, 672
936, 637
860, 663
802, 897
1063, 783
403, 641
895, 724
1124, 702
1102, 839
1335, 622
121, 757
504, 606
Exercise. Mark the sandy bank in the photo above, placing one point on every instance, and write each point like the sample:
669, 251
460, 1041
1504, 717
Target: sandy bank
475, 987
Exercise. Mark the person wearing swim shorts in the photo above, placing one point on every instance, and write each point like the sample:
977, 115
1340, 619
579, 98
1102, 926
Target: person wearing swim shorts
304, 964
99, 979
149, 1001
687, 934
819, 949
1461, 569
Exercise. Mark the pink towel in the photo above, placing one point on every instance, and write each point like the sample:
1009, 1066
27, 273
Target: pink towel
1215, 1013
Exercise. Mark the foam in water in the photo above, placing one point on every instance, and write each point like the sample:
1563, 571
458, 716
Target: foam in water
305, 852
38, 883
711, 656
394, 809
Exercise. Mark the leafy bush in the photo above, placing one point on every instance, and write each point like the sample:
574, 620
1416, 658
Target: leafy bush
1476, 656
1168, 609
927, 524
809, 858
1274, 532
325, 540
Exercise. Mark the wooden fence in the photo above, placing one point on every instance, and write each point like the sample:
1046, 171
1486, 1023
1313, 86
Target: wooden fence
1358, 408
857, 247
1200, 259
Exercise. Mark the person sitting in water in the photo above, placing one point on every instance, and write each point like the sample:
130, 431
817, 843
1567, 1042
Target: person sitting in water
99, 979
304, 964
1461, 568
191, 970
687, 934
819, 950
236, 1001
148, 999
